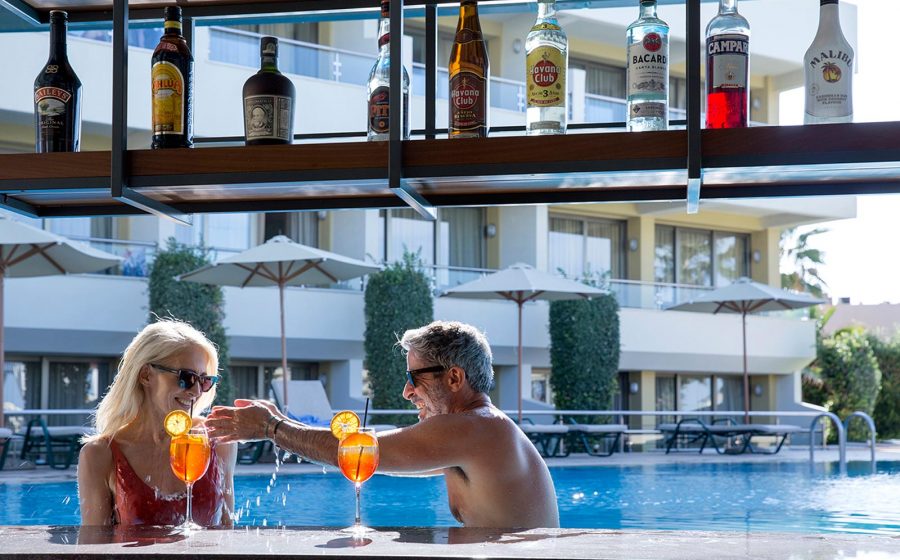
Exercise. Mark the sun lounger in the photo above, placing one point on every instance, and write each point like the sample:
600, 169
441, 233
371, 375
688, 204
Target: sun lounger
547, 438
599, 440
6, 439
738, 437
57, 446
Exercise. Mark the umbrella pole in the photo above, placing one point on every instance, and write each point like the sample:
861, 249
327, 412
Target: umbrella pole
746, 374
285, 376
2, 361
520, 362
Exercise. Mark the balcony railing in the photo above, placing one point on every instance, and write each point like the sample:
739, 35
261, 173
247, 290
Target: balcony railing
137, 256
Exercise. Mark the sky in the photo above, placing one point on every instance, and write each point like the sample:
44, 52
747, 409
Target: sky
861, 260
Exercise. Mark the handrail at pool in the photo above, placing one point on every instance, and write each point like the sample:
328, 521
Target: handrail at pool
842, 439
871, 423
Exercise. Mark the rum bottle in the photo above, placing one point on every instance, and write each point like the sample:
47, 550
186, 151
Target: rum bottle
727, 68
546, 61
829, 70
269, 98
172, 87
647, 71
469, 72
57, 96
379, 86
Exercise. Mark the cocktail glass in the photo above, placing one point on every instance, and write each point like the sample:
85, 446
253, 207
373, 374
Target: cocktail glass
189, 456
358, 459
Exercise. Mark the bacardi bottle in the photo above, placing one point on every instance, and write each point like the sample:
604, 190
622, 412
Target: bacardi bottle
647, 71
379, 88
57, 96
727, 68
268, 100
172, 87
546, 62
829, 70
469, 71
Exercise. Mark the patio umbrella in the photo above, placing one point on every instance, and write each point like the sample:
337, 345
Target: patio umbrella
27, 251
280, 262
522, 283
745, 296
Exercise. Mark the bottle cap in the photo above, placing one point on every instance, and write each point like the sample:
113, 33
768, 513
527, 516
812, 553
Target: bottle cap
268, 46
173, 13
58, 14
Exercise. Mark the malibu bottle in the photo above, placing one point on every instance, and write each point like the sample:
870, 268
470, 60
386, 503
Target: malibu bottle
172, 87
727, 68
268, 100
469, 71
57, 96
829, 70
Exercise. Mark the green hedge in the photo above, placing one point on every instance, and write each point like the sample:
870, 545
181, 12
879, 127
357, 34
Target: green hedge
584, 354
849, 369
887, 406
397, 298
201, 305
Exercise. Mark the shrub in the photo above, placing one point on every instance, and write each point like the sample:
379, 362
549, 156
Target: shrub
201, 305
850, 371
584, 353
397, 299
887, 406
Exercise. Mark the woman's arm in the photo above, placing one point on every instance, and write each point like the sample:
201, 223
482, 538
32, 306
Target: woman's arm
94, 495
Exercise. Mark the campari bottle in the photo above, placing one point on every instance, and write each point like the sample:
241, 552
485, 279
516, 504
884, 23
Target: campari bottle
727, 68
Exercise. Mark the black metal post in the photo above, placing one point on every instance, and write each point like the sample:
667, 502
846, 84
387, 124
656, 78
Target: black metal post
694, 161
431, 64
119, 98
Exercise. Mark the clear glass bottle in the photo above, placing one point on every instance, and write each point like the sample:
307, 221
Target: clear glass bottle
647, 71
469, 70
727, 68
379, 85
546, 65
829, 70
269, 99
57, 96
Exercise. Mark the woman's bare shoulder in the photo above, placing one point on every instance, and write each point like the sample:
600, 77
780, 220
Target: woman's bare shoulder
96, 453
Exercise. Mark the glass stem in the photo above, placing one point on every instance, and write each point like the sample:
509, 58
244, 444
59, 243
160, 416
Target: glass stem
358, 486
189, 516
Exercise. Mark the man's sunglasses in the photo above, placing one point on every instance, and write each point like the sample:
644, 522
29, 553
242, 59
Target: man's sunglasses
187, 378
411, 373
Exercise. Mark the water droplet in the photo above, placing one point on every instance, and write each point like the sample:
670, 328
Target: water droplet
265, 522
257, 501
283, 499
66, 500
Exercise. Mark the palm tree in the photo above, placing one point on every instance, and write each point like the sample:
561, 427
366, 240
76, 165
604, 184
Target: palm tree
805, 261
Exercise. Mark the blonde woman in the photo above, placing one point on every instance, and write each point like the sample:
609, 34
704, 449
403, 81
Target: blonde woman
124, 477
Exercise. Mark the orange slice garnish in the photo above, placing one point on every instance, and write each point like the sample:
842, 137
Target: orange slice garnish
177, 423
344, 422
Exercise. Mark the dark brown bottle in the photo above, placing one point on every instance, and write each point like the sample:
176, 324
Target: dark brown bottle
172, 87
57, 96
268, 100
469, 70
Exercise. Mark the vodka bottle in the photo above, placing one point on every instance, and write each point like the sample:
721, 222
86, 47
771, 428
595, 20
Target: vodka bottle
546, 62
647, 71
829, 70
57, 96
727, 68
379, 87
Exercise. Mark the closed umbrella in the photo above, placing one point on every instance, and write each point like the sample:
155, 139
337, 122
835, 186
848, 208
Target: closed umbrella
745, 296
522, 283
280, 262
26, 251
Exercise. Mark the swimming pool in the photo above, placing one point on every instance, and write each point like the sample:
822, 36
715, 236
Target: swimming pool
756, 497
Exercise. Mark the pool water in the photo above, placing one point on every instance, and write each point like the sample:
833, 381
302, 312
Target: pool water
756, 497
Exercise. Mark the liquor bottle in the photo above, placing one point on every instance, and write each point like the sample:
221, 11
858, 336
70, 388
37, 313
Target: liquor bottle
546, 63
829, 70
57, 96
727, 68
469, 71
379, 86
172, 86
647, 71
268, 100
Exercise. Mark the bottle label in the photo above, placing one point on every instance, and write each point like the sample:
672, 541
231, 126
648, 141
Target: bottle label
468, 99
168, 95
51, 107
380, 110
727, 61
268, 117
648, 66
648, 110
829, 82
546, 77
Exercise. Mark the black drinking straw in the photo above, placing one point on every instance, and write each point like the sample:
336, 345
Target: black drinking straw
366, 412
365, 416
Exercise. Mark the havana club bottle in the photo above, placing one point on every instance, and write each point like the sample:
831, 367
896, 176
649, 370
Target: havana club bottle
546, 61
647, 71
172, 87
829, 70
268, 100
379, 86
469, 71
727, 68
57, 96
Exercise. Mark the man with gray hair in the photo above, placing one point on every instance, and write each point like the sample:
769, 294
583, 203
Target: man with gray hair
494, 475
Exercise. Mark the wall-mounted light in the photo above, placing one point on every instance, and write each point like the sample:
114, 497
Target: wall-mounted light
757, 256
757, 390
517, 45
490, 231
633, 388
633, 244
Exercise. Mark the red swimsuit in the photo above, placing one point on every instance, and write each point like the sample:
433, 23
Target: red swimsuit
139, 504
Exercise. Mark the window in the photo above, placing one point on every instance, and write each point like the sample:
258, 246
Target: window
228, 232
694, 392
729, 392
98, 228
665, 397
540, 386
700, 257
461, 244
302, 227
601, 79
307, 32
76, 384
407, 231
21, 388
587, 246
245, 380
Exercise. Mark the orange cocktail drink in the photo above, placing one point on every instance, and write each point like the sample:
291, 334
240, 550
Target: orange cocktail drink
358, 455
189, 456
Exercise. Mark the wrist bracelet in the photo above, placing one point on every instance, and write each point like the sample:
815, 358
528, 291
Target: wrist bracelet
269, 423
275, 429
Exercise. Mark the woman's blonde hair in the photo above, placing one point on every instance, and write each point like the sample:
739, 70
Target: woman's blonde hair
156, 343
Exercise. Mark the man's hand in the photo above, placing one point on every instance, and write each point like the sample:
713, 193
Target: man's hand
246, 421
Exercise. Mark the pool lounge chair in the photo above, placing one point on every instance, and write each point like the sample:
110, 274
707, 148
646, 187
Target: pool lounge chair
6, 439
738, 438
57, 446
599, 440
547, 438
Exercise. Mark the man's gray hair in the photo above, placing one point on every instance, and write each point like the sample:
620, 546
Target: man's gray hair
450, 343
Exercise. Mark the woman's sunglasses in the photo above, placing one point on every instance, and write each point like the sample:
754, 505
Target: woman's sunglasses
187, 378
